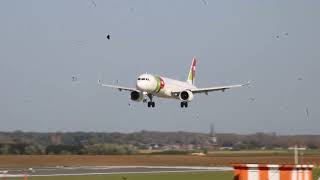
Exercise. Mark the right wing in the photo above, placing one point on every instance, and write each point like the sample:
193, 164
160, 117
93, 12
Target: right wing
218, 88
120, 88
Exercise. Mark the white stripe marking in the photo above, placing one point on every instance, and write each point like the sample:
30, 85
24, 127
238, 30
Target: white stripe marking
294, 174
300, 174
274, 173
191, 169
253, 172
306, 175
145, 172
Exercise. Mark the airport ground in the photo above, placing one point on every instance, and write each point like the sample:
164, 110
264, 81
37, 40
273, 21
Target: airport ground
160, 176
155, 176
212, 159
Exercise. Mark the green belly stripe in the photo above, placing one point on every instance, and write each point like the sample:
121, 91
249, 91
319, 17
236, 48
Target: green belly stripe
158, 84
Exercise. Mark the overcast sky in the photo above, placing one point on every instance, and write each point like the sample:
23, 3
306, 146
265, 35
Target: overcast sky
274, 44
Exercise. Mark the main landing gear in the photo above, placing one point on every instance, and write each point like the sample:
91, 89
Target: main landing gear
184, 104
151, 103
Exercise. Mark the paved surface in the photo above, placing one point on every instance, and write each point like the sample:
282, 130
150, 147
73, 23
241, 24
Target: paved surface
96, 170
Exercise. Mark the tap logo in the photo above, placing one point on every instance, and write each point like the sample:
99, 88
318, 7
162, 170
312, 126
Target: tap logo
160, 84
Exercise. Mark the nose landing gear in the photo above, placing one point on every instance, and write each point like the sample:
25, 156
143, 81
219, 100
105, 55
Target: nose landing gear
151, 103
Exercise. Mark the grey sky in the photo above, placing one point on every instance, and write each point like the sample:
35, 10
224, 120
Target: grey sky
44, 43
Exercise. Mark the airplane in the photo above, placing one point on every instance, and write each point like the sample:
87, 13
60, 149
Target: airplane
149, 85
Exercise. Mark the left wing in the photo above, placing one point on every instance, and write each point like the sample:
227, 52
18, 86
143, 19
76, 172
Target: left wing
120, 88
217, 88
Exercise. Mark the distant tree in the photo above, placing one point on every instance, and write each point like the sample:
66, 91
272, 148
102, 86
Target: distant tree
18, 140
64, 149
110, 149
205, 150
5, 149
18, 148
32, 150
312, 146
65, 152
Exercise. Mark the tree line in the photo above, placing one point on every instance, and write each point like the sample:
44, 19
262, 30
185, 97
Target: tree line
97, 149
19, 142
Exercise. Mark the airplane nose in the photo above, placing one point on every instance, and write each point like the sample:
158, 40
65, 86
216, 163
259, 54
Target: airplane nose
140, 86
143, 86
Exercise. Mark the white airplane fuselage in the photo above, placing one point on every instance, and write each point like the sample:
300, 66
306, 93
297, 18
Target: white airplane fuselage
161, 86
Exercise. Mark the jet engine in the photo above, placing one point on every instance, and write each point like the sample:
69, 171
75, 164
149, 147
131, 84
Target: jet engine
136, 96
186, 95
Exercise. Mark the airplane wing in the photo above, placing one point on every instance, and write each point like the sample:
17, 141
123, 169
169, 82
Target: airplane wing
120, 88
217, 88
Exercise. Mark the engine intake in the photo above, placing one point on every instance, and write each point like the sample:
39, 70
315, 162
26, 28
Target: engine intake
136, 96
186, 95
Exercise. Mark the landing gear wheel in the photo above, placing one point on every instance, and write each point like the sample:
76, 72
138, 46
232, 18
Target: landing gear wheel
184, 104
151, 104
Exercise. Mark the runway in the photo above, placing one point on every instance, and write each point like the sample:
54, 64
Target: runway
101, 170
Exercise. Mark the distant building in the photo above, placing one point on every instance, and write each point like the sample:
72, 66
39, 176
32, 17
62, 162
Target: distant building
213, 137
198, 154
213, 140
56, 139
226, 148
301, 148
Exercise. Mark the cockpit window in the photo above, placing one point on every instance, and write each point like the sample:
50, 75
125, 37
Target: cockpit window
144, 79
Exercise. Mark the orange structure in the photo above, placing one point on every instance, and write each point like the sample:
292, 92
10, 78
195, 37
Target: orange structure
272, 172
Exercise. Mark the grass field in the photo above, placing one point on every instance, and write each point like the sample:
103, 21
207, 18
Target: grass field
316, 173
24, 161
162, 176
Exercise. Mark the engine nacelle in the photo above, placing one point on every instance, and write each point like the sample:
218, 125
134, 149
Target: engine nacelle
136, 96
186, 95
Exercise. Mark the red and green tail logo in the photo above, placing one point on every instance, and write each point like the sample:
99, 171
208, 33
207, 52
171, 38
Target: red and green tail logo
160, 84
192, 72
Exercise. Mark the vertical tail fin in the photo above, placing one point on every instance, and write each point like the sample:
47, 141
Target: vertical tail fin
192, 72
